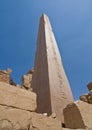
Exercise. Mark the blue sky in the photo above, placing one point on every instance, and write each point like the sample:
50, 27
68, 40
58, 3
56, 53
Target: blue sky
71, 21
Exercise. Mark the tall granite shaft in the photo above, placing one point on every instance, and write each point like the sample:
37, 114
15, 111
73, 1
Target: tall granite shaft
49, 79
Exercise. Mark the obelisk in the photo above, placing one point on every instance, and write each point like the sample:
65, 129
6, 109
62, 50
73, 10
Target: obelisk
49, 79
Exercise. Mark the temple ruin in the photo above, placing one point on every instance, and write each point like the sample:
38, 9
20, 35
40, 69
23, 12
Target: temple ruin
44, 100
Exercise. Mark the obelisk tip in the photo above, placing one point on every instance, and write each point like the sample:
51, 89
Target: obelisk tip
45, 19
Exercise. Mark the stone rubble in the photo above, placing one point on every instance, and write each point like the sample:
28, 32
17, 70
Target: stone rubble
87, 97
27, 79
5, 76
89, 86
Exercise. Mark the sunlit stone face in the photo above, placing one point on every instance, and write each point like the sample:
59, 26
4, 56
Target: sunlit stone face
49, 79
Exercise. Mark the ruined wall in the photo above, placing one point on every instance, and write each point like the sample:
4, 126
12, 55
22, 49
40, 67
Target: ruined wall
27, 80
5, 76
17, 109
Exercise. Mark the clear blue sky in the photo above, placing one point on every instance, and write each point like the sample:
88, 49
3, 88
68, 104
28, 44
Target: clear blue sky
72, 25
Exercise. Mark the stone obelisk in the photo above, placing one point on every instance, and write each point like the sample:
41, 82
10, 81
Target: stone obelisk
49, 79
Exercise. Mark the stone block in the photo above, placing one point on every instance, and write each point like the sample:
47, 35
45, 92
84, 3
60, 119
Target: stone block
26, 81
78, 115
14, 119
90, 97
84, 97
89, 86
87, 97
17, 97
17, 119
42, 122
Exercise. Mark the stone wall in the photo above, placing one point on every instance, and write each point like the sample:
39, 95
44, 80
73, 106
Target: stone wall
18, 119
17, 111
17, 97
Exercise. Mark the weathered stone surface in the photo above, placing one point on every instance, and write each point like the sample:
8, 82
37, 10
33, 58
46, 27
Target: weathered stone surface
75, 129
42, 122
31, 71
17, 97
87, 97
27, 80
53, 115
49, 79
5, 125
14, 119
90, 97
89, 86
78, 115
17, 119
5, 76
84, 97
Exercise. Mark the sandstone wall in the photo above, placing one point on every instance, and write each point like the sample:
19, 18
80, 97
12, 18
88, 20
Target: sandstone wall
17, 108
17, 97
17, 119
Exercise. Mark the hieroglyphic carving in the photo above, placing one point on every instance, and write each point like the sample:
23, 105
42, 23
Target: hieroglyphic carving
49, 79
